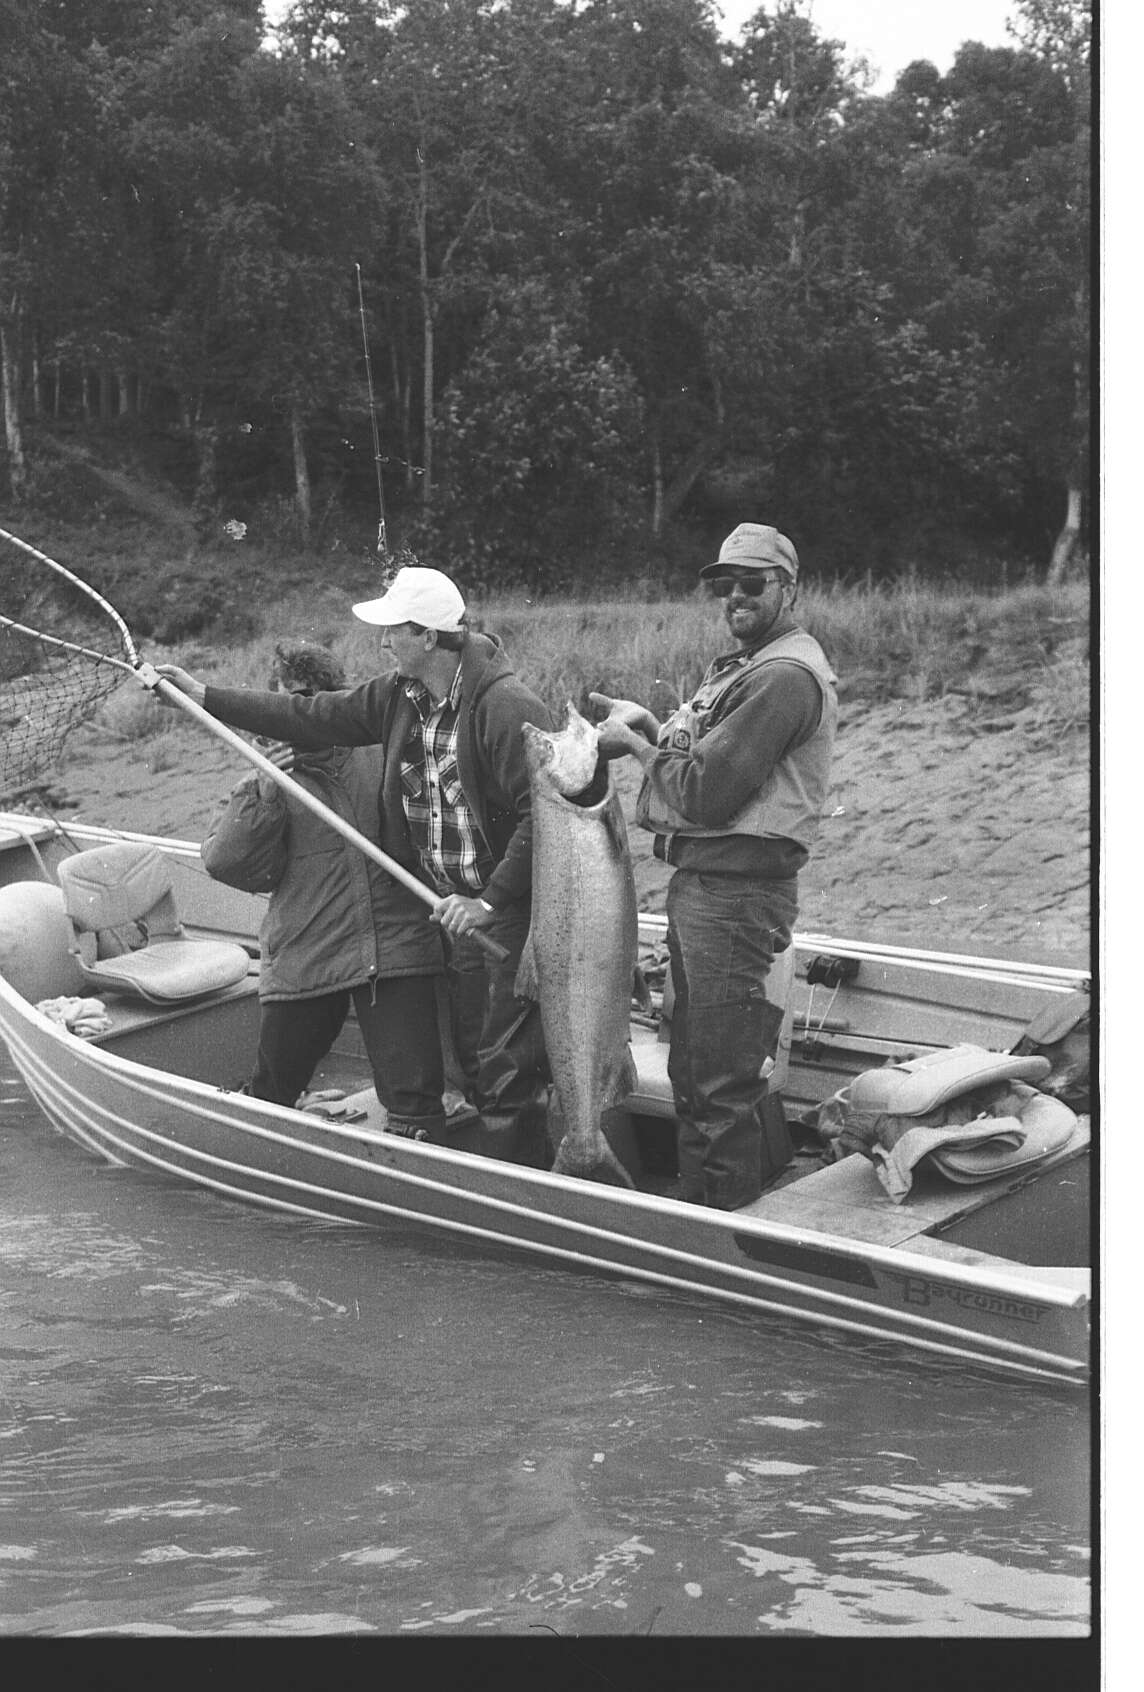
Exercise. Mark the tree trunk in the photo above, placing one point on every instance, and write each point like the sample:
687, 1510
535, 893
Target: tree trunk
670, 495
1066, 541
204, 505
427, 331
10, 393
407, 431
302, 497
106, 408
656, 486
797, 235
403, 408
37, 378
688, 474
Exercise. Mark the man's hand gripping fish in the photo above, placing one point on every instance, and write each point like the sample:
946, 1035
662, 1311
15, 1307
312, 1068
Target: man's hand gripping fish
580, 959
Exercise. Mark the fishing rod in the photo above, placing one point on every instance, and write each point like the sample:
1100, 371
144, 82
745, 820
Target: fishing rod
382, 540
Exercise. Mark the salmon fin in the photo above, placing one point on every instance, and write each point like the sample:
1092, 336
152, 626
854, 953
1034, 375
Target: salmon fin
527, 984
623, 1080
641, 992
616, 827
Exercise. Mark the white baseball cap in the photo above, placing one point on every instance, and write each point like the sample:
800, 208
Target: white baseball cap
416, 595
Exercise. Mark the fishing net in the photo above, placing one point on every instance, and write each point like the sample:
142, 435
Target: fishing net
50, 683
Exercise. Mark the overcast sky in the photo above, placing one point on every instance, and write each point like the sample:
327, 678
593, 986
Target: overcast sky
887, 32
892, 32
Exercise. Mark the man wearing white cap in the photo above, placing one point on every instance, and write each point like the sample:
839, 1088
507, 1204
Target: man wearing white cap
735, 782
455, 809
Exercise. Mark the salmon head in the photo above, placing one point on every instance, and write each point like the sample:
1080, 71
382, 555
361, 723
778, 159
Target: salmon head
569, 758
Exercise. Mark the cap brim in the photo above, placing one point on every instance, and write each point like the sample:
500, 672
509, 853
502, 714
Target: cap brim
721, 567
379, 612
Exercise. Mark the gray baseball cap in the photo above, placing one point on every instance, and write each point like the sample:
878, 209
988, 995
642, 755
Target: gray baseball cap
754, 546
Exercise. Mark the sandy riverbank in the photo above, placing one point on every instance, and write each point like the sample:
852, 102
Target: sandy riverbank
946, 830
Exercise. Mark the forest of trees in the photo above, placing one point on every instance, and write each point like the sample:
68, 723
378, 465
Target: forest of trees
621, 279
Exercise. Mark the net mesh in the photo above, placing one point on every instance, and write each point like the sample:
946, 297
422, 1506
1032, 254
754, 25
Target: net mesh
55, 672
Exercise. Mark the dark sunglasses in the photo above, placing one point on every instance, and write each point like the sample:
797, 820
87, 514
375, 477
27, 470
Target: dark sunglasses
753, 586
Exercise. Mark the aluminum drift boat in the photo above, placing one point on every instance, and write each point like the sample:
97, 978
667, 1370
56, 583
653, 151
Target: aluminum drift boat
994, 1274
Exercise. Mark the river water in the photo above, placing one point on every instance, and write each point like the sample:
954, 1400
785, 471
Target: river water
216, 1421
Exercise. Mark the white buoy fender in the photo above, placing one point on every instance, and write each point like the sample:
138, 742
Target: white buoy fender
34, 942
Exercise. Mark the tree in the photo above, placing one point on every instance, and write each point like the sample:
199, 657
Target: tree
1059, 34
255, 185
537, 440
655, 203
46, 123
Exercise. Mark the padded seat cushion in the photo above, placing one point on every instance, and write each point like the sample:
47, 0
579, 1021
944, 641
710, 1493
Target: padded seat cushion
172, 970
1045, 1123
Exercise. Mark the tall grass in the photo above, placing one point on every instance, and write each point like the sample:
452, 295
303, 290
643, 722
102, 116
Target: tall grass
905, 640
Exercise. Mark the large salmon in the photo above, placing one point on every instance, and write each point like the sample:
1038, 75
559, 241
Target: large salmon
580, 957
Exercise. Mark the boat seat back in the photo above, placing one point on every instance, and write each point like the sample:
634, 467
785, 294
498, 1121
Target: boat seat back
35, 942
125, 930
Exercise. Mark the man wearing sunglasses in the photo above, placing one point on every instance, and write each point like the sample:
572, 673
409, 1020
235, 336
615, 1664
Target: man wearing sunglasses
735, 783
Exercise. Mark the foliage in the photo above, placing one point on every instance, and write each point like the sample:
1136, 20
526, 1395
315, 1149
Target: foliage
625, 281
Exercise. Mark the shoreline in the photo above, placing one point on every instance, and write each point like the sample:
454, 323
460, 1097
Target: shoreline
943, 831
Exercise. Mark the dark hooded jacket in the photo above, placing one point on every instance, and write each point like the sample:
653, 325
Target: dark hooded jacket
495, 705
335, 920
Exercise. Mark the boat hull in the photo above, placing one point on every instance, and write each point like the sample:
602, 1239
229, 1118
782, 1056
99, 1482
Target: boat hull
163, 1097
245, 1149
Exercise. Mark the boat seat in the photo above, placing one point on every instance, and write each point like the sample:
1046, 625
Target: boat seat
125, 930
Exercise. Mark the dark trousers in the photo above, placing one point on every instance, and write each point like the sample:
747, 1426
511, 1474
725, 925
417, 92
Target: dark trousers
499, 1040
398, 1022
723, 932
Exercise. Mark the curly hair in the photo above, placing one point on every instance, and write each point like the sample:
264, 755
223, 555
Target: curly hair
305, 661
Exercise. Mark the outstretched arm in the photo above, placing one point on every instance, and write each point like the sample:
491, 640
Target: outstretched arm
348, 717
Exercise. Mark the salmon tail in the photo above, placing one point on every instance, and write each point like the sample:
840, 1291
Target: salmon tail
605, 1168
527, 984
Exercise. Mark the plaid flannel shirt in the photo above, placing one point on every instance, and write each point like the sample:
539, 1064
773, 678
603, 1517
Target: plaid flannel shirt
453, 852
